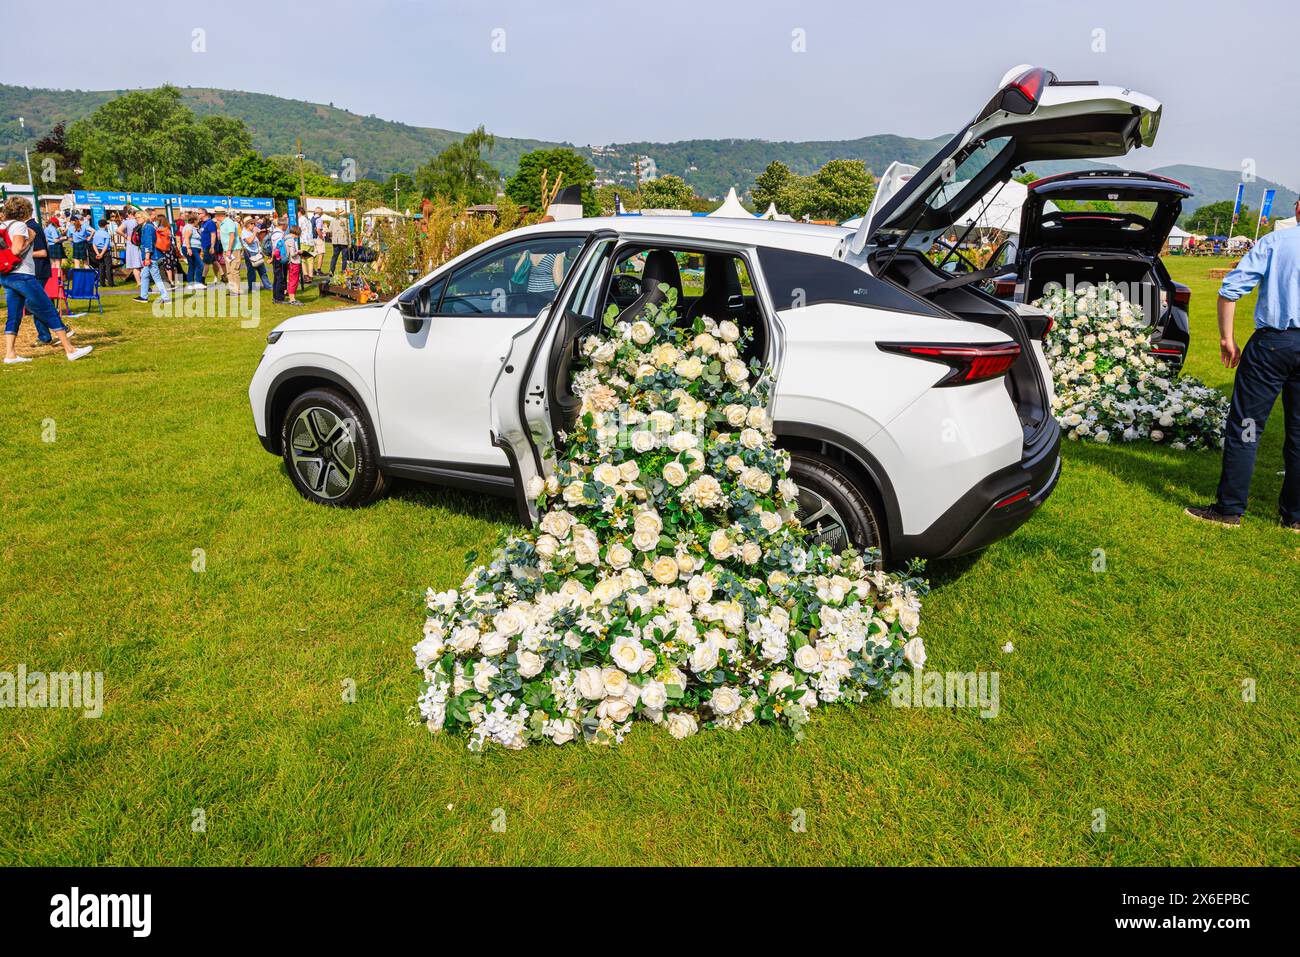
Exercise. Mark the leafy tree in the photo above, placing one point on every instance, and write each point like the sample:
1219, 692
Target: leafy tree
148, 139
839, 190
605, 199
251, 175
461, 172
367, 194
525, 187
1213, 219
772, 186
666, 192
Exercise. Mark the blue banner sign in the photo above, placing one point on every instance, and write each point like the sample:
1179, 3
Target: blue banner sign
1267, 206
293, 212
1236, 206
245, 204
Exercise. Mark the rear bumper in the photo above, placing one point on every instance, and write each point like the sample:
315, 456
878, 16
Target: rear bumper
996, 506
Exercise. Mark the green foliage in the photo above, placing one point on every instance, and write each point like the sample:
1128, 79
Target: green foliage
839, 190
1214, 219
149, 139
525, 187
461, 172
666, 192
772, 185
249, 174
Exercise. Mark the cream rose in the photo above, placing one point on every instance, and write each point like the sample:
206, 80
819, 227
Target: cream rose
615, 681
724, 700
682, 725
627, 653
654, 695
530, 664
700, 588
805, 658
607, 473
664, 570
557, 523
591, 683
618, 555
675, 474
464, 639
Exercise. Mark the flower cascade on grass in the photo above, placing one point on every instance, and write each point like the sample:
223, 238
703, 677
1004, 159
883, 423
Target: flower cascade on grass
1109, 385
668, 579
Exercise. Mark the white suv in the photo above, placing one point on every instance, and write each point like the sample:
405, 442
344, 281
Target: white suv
916, 406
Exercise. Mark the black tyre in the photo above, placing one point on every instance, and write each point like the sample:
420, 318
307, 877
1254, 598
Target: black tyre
834, 508
330, 450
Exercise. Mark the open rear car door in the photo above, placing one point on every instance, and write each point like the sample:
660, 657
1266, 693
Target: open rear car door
524, 407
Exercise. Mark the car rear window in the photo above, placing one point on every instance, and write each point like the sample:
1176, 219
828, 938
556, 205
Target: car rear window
795, 280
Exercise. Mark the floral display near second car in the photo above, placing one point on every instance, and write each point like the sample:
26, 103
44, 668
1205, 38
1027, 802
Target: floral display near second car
669, 578
1109, 385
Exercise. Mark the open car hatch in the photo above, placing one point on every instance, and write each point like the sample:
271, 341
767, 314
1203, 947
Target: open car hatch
1033, 116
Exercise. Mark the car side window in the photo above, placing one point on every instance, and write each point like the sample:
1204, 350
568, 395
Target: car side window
514, 280
796, 280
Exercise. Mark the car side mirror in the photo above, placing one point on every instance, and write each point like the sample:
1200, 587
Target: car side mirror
411, 308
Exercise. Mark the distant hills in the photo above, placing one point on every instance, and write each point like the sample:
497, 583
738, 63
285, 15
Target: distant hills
381, 147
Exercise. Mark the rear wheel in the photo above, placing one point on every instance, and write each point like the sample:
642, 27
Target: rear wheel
834, 509
329, 450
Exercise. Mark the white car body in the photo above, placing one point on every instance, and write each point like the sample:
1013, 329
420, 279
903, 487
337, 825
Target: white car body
468, 399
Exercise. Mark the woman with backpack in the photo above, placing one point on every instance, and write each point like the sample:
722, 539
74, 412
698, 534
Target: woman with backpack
22, 289
166, 250
133, 258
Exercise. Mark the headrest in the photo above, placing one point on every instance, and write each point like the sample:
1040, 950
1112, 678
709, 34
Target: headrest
660, 267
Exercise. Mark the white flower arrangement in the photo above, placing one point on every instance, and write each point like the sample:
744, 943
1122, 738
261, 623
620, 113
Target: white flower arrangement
668, 579
1109, 386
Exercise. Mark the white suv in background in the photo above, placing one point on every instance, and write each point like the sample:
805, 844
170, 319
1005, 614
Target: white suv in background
916, 407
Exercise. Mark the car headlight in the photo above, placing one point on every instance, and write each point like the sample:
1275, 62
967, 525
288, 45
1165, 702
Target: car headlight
273, 337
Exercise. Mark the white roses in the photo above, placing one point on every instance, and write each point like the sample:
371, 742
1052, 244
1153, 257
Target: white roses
668, 579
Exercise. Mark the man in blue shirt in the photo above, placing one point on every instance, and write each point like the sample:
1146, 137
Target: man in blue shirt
1267, 367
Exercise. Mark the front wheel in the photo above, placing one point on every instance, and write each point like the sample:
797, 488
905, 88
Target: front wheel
329, 450
832, 506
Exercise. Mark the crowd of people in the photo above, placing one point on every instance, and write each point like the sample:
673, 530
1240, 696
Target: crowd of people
160, 253
215, 247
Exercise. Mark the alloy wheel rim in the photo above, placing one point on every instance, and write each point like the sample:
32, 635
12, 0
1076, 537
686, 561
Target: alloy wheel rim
323, 451
823, 522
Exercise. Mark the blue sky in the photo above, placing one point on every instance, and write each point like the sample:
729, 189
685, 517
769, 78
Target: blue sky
612, 71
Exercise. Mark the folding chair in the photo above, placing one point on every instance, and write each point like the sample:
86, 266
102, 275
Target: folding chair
83, 284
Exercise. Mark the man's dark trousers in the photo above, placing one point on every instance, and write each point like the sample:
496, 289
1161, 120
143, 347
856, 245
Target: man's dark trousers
280, 281
1270, 364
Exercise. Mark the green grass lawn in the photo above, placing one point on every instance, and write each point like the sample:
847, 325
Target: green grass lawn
224, 689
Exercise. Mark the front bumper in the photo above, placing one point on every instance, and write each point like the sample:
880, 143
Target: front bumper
996, 506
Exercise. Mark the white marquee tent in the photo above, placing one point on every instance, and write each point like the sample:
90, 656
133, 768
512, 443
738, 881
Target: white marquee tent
731, 208
1178, 238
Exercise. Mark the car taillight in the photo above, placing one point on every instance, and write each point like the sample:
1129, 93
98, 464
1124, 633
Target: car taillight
1182, 296
1030, 84
969, 363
